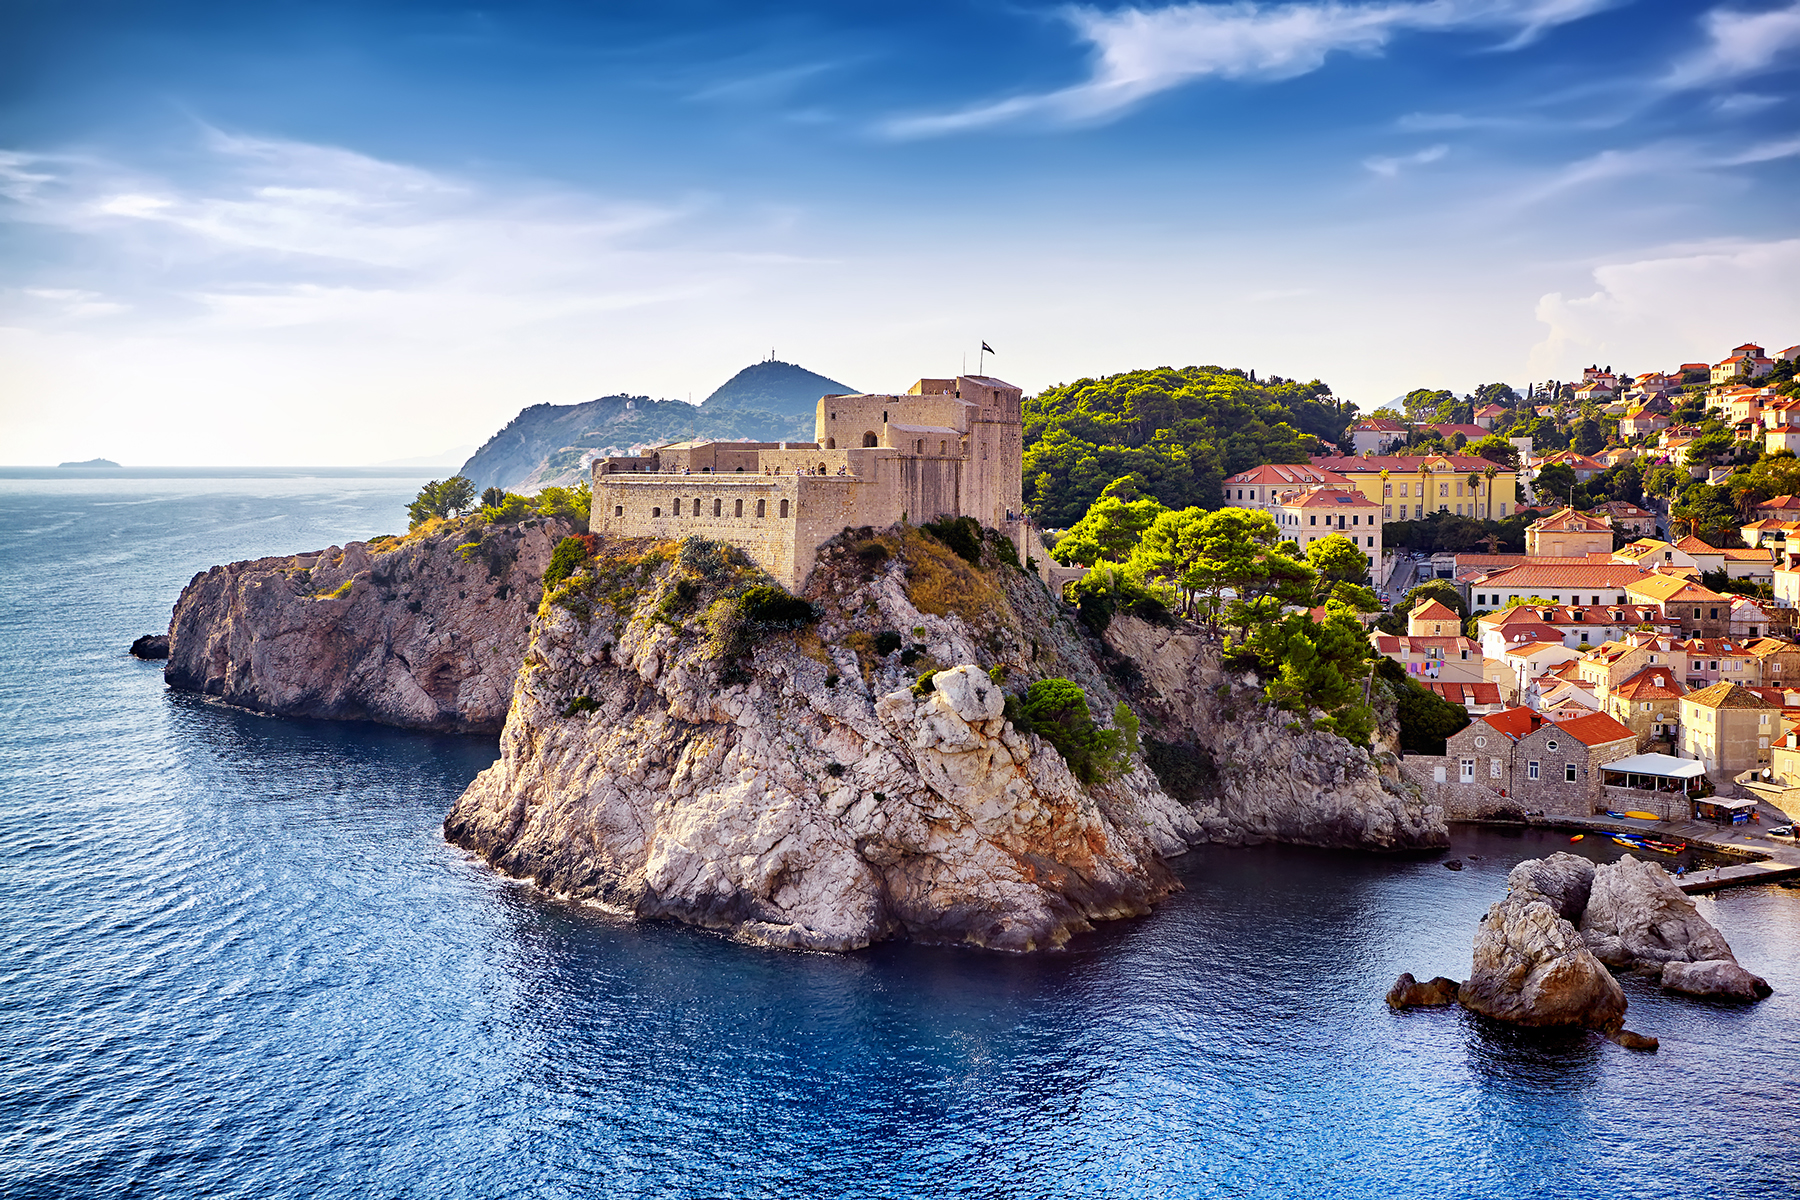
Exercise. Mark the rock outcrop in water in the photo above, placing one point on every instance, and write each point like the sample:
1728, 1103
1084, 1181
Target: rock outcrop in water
1541, 954
1245, 769
151, 646
1531, 966
424, 632
669, 754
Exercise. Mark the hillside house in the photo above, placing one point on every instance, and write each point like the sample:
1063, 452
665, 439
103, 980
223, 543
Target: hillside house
1728, 729
1568, 534
1516, 761
1649, 704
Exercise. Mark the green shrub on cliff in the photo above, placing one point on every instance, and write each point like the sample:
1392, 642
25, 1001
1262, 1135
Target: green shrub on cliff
441, 499
569, 556
1056, 710
961, 534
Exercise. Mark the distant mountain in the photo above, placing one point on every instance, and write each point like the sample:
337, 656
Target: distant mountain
92, 462
549, 443
775, 387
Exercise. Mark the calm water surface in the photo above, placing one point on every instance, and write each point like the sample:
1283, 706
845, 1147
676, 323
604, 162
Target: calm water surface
241, 961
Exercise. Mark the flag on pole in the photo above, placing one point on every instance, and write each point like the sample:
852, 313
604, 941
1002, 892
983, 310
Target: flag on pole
987, 348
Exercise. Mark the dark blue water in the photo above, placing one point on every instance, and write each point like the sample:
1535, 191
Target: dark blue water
240, 961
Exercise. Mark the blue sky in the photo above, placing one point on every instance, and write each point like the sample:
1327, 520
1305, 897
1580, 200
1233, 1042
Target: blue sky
317, 233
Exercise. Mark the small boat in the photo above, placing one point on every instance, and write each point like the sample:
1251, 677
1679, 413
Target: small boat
1643, 816
1578, 837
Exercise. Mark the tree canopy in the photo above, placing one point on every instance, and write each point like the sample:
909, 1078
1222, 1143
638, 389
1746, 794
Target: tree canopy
1180, 432
445, 498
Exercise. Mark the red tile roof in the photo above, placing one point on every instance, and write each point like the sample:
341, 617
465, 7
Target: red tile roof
1289, 473
1651, 683
1595, 729
1327, 498
1577, 574
1465, 694
1515, 722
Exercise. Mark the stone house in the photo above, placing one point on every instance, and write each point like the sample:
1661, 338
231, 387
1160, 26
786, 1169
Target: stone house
1728, 729
1627, 517
1648, 704
947, 447
1433, 619
1528, 662
1260, 487
1574, 581
1696, 611
1605, 667
1517, 761
1450, 659
1568, 534
1318, 512
1780, 661
1706, 661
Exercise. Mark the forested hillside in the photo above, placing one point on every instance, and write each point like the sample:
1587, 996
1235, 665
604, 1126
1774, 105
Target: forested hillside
1180, 431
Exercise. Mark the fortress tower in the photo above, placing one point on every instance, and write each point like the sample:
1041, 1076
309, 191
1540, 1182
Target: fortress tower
946, 447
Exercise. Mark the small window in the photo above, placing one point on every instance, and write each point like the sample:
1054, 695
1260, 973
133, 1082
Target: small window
718, 508
1480, 741
656, 512
1550, 745
738, 508
1468, 770
1531, 769
762, 508
784, 509
618, 510
1568, 772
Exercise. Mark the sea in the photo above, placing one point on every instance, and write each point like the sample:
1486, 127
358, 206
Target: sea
240, 960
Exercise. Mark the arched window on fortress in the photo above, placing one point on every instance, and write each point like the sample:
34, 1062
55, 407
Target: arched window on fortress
656, 512
678, 506
784, 505
762, 508
919, 446
740, 470
696, 506
718, 508
618, 510
740, 509
869, 439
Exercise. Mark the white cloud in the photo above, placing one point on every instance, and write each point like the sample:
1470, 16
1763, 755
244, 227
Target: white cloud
1739, 44
1684, 306
1389, 167
1740, 104
1140, 52
1663, 161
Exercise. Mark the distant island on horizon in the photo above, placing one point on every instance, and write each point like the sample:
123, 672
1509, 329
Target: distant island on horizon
92, 462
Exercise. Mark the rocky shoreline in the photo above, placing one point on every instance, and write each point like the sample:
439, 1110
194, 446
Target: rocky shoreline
818, 784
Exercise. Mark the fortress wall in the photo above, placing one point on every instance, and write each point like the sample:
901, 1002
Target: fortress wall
768, 540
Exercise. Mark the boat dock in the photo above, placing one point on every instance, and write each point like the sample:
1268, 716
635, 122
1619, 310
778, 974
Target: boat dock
1765, 859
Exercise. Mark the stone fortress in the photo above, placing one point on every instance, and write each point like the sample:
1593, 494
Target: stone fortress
947, 447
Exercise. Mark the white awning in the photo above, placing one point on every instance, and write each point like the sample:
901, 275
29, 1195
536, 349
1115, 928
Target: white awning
1666, 766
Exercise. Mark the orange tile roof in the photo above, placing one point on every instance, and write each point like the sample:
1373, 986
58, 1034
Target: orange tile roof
1514, 722
1345, 497
1595, 729
1651, 683
1434, 610
1575, 575
1290, 473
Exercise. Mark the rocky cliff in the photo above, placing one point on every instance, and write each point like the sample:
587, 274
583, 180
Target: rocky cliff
1249, 772
424, 632
674, 750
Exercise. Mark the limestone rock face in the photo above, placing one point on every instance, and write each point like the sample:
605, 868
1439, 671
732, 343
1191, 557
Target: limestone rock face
795, 791
1408, 992
1244, 773
1717, 978
1563, 881
1532, 968
422, 637
1636, 918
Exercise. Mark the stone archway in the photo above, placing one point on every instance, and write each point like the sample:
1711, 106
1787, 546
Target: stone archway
869, 439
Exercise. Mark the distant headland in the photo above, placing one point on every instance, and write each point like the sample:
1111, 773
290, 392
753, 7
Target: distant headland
93, 462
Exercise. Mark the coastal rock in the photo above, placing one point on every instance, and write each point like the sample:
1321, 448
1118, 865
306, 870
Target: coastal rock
794, 787
1532, 968
151, 646
424, 632
1408, 992
1563, 881
1247, 771
1636, 918
1715, 978
1634, 1041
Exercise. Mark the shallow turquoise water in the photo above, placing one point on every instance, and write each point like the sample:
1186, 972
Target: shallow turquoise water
241, 961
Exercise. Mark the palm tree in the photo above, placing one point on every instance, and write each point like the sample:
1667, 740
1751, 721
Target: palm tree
1488, 472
